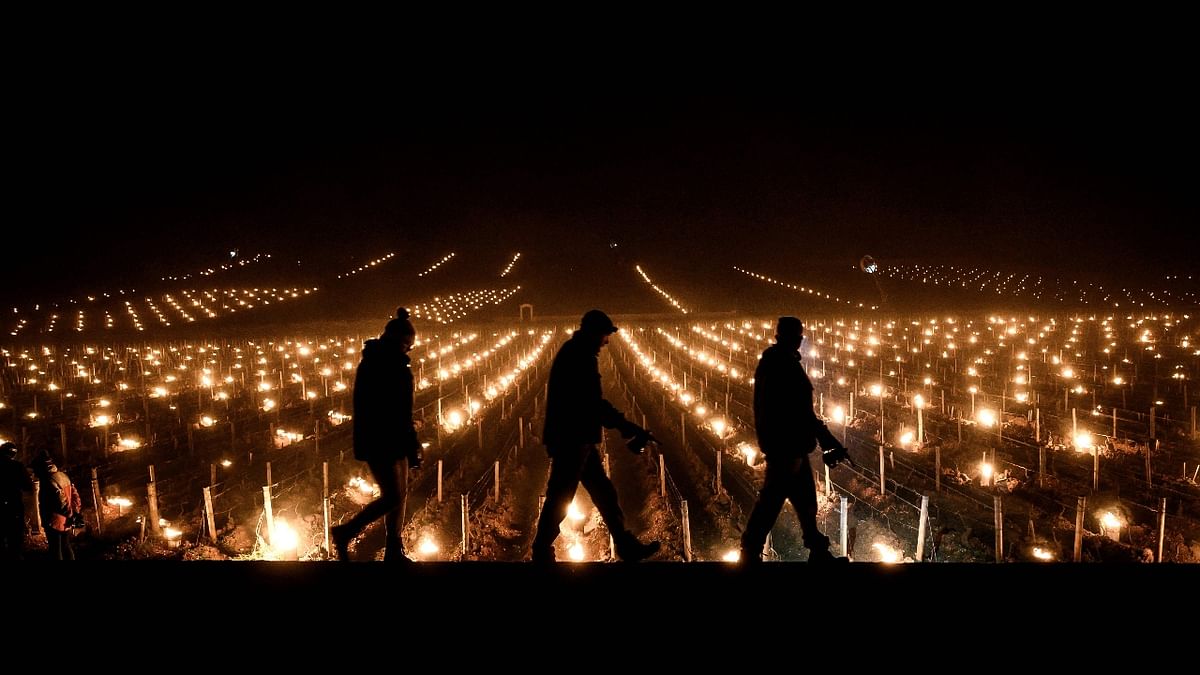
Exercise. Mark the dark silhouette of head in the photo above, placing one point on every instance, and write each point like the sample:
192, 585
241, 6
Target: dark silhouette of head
400, 331
789, 332
8, 450
595, 326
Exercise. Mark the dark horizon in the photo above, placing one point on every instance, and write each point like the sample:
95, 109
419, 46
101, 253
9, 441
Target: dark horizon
1104, 197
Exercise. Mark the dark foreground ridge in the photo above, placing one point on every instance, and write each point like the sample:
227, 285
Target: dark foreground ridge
488, 601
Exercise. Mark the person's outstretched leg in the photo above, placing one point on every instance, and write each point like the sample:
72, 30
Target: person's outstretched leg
766, 509
386, 474
393, 521
565, 467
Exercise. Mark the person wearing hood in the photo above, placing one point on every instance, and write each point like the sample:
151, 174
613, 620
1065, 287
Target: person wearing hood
58, 501
384, 435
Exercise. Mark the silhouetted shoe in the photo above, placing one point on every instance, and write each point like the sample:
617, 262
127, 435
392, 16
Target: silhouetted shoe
745, 558
542, 555
396, 558
634, 550
822, 555
341, 542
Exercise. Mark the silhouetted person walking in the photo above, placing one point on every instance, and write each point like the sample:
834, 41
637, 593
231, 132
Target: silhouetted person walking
575, 412
14, 480
58, 500
788, 430
384, 435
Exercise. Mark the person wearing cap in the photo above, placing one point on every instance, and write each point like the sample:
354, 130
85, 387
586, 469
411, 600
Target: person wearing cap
58, 501
575, 412
788, 430
14, 480
384, 435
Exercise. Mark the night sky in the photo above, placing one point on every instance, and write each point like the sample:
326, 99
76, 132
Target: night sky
1081, 183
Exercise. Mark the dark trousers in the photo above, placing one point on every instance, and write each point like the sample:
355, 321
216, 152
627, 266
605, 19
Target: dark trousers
788, 477
12, 531
392, 477
570, 466
59, 544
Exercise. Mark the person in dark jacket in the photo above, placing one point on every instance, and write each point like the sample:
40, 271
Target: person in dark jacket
788, 430
384, 435
58, 501
14, 480
575, 412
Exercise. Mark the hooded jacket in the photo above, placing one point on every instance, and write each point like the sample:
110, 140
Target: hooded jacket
783, 406
575, 405
383, 403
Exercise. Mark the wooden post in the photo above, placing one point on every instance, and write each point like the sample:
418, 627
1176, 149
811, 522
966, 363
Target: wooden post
828, 484
269, 513
882, 479
152, 501
466, 526
687, 531
1037, 425
325, 502
1080, 505
37, 512
845, 519
1195, 431
717, 487
1152, 430
317, 437
480, 427
209, 519
662, 476
997, 507
1041, 466
937, 468
496, 476
683, 428
1095, 468
439, 481
1149, 475
1162, 527
96, 502
269, 483
921, 525
1114, 416
1074, 426
212, 474
521, 432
